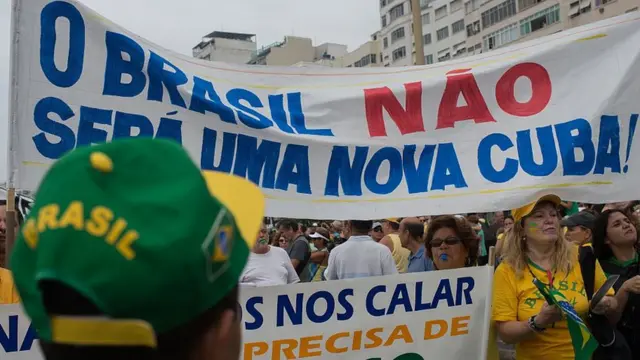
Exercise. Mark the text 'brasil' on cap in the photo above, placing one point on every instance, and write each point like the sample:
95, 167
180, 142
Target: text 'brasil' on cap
135, 227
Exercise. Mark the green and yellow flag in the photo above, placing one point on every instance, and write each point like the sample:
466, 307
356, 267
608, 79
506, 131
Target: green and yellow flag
584, 344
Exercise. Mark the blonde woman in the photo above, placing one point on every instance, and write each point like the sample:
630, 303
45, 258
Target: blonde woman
536, 249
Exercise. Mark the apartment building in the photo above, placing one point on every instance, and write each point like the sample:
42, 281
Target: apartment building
227, 47
491, 24
443, 31
366, 55
294, 50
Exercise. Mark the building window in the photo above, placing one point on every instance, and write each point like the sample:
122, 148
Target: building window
397, 34
473, 29
539, 20
455, 5
396, 12
425, 19
385, 42
426, 39
441, 12
501, 37
383, 3
471, 6
384, 20
498, 13
457, 26
373, 58
442, 33
444, 55
428, 59
399, 53
525, 4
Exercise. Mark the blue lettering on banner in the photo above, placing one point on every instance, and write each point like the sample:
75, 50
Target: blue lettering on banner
48, 39
322, 306
10, 339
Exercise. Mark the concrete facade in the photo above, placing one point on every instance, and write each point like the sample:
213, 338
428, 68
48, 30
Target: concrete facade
492, 24
295, 50
226, 47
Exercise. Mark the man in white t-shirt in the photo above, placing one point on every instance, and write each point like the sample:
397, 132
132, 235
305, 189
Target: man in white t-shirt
360, 256
268, 265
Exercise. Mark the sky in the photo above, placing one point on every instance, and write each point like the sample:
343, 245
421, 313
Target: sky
180, 24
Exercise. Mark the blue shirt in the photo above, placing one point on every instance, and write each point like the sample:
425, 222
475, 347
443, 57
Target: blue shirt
419, 262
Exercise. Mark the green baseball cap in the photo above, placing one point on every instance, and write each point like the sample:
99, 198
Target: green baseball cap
135, 227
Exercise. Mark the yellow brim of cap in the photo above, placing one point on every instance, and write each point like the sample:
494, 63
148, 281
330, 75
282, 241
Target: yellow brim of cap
99, 331
521, 212
393, 220
242, 198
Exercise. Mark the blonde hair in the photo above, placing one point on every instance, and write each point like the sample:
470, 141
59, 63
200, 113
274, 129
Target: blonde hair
514, 251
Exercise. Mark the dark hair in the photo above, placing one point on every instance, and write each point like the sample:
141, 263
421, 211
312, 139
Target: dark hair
394, 225
510, 217
463, 230
602, 250
178, 343
361, 226
474, 219
288, 224
303, 228
416, 230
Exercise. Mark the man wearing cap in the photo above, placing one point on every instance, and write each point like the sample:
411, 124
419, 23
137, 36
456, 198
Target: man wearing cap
579, 227
391, 240
376, 232
102, 276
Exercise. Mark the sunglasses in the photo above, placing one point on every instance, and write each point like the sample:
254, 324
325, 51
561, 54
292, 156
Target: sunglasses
378, 229
449, 241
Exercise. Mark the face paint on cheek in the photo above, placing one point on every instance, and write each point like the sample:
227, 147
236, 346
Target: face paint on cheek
533, 226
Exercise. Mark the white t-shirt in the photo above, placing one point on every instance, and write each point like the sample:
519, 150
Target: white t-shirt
269, 269
360, 257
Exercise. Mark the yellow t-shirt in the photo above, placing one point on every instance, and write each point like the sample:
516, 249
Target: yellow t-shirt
8, 292
400, 254
517, 299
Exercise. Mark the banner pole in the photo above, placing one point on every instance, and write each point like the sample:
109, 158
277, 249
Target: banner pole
11, 226
489, 339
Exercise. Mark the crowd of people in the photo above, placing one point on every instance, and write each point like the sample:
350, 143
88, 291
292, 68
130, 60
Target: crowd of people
570, 248
549, 240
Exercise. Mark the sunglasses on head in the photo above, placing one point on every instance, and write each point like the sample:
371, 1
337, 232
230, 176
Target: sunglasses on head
449, 241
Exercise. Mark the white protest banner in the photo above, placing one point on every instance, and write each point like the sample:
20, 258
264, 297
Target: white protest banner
18, 340
433, 315
553, 114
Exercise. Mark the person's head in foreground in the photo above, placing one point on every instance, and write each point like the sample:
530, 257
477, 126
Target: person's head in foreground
579, 227
451, 242
102, 276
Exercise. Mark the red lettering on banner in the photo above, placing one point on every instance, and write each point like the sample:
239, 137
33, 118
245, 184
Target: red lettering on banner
540, 90
409, 119
461, 82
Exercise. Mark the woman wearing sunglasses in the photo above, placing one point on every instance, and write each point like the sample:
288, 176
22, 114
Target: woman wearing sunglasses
451, 243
